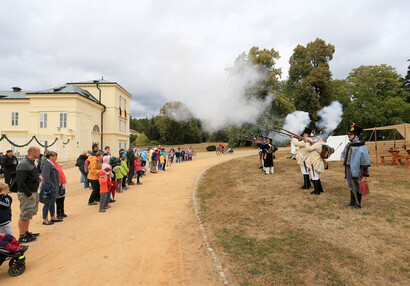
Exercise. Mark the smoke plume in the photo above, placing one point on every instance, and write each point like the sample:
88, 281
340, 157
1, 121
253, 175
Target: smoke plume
331, 117
217, 98
295, 122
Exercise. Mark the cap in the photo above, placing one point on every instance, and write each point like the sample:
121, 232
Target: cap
355, 129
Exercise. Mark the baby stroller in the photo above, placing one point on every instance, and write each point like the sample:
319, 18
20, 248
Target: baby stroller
17, 263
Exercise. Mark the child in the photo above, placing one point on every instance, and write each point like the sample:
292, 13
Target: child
169, 160
9, 243
120, 173
105, 188
138, 168
5, 209
125, 167
161, 162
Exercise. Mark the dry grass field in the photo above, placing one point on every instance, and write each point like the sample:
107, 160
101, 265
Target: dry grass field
267, 231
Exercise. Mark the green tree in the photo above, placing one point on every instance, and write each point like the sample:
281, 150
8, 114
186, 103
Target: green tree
310, 76
142, 140
406, 82
264, 61
377, 97
151, 130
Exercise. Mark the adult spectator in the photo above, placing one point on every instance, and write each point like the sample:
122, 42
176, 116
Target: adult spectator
94, 169
178, 155
49, 188
94, 148
130, 160
60, 196
107, 151
9, 164
28, 180
80, 163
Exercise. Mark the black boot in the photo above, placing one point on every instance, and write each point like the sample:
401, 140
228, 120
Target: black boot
319, 187
315, 190
359, 198
307, 181
303, 187
352, 200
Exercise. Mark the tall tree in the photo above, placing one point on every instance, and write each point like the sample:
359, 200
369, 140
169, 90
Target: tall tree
377, 97
263, 61
310, 76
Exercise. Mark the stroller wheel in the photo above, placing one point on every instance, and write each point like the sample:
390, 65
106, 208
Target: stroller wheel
13, 261
17, 269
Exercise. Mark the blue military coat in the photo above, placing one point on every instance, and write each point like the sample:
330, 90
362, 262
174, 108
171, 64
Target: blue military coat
358, 157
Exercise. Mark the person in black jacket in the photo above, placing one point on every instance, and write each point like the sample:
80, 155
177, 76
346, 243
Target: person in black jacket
28, 180
9, 164
131, 158
80, 163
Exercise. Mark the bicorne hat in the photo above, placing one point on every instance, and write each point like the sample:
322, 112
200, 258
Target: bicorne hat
355, 129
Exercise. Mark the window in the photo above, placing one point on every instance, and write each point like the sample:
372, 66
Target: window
14, 119
63, 120
43, 120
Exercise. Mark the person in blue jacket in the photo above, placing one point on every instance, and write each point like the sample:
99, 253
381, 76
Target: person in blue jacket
356, 159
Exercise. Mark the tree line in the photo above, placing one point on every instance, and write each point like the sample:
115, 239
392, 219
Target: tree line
372, 95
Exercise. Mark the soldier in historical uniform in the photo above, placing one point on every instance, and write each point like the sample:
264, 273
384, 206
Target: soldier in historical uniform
356, 159
302, 156
317, 163
268, 158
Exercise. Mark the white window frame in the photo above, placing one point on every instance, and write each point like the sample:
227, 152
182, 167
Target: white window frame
43, 120
14, 119
63, 120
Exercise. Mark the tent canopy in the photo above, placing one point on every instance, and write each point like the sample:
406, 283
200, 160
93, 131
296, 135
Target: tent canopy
403, 129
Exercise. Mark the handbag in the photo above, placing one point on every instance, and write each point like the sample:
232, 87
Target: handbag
45, 195
61, 190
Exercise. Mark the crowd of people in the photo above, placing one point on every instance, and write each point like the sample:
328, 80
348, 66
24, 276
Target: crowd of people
101, 172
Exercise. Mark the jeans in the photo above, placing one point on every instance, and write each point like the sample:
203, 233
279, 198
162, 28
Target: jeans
119, 181
150, 166
49, 207
177, 160
86, 182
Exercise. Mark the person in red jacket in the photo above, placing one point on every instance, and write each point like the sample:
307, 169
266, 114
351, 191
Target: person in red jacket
105, 188
138, 168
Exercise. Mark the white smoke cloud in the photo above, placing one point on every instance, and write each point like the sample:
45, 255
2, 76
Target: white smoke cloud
217, 98
295, 122
331, 117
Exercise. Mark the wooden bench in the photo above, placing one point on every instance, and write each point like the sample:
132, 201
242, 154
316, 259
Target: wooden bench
382, 158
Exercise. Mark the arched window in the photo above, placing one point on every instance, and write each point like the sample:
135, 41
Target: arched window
96, 128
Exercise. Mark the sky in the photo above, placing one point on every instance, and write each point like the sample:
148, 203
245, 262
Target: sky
162, 51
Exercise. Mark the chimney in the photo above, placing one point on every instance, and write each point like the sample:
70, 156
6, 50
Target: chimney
15, 89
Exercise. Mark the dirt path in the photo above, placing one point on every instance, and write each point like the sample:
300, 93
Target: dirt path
149, 237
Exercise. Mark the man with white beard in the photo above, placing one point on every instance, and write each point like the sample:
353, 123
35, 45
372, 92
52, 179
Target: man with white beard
356, 159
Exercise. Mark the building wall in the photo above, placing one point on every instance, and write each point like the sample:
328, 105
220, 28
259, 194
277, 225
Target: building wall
115, 123
82, 115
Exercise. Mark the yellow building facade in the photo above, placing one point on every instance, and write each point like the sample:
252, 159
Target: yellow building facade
77, 114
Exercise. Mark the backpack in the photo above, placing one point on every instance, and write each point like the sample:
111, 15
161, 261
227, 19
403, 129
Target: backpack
86, 163
78, 162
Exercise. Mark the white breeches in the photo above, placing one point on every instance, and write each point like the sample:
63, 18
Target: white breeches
314, 175
269, 170
305, 171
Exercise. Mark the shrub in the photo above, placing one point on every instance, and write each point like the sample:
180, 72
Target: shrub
153, 143
211, 148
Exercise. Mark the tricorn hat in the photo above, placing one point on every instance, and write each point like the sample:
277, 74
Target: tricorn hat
355, 129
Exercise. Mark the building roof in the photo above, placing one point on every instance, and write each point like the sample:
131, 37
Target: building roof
99, 81
16, 93
68, 88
